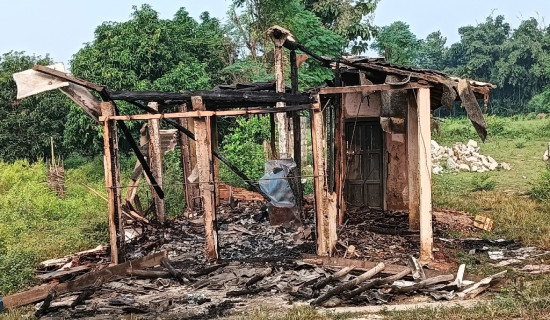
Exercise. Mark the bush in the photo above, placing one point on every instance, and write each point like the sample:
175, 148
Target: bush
36, 225
483, 182
243, 147
16, 270
541, 188
520, 143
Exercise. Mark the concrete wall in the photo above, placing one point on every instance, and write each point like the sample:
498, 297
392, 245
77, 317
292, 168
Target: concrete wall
356, 105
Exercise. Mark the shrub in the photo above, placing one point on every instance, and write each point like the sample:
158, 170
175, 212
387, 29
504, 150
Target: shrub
541, 188
520, 143
16, 270
483, 182
243, 147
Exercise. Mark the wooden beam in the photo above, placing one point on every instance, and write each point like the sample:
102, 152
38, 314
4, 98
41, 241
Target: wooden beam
108, 274
81, 96
206, 185
413, 164
132, 188
361, 265
70, 78
425, 174
221, 97
112, 181
191, 189
155, 160
198, 114
371, 88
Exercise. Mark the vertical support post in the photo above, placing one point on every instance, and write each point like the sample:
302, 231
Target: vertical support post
274, 153
297, 134
112, 181
420, 164
155, 160
216, 161
325, 201
339, 143
191, 189
282, 120
425, 174
206, 175
413, 163
318, 176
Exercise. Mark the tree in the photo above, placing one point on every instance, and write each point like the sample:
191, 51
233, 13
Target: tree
352, 20
146, 53
397, 44
27, 125
521, 71
480, 48
431, 52
312, 24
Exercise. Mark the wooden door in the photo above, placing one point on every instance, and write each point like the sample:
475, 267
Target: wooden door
364, 179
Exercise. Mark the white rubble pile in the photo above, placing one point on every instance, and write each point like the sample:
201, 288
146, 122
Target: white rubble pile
463, 157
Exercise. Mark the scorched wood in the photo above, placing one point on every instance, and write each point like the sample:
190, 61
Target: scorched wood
350, 284
110, 273
217, 97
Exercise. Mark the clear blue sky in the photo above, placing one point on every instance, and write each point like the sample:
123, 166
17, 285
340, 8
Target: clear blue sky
60, 27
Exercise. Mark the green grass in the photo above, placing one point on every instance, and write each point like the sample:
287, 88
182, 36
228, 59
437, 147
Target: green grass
36, 225
294, 313
520, 142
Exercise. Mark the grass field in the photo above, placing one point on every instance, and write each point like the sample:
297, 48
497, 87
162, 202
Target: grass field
35, 225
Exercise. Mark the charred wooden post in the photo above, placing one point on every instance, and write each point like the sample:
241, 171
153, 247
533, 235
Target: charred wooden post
216, 161
339, 144
188, 162
272, 142
325, 201
296, 132
206, 175
420, 164
112, 181
278, 36
155, 159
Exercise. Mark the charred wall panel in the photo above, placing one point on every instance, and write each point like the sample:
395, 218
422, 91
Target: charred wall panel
397, 185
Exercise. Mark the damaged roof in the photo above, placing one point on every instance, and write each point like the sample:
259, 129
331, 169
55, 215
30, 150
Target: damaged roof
444, 89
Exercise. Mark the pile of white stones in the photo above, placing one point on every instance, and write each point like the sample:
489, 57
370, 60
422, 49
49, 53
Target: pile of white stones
463, 157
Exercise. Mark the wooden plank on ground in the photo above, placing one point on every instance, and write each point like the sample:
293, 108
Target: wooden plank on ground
61, 273
359, 264
108, 274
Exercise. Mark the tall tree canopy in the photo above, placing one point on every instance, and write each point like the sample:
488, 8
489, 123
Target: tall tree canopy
397, 44
146, 53
516, 60
329, 27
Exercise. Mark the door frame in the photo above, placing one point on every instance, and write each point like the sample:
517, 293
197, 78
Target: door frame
384, 155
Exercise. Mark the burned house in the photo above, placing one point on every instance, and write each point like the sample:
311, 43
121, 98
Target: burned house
370, 133
379, 132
